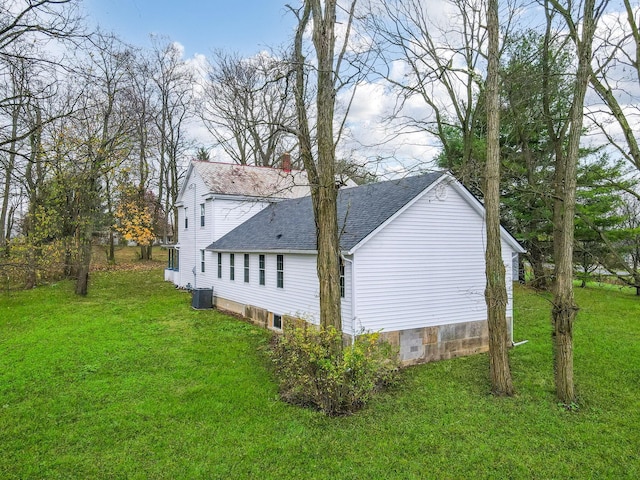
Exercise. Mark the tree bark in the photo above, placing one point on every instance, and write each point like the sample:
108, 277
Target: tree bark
496, 291
565, 183
145, 252
82, 280
321, 171
537, 265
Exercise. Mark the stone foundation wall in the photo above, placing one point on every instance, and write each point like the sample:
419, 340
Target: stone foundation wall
229, 306
416, 345
428, 344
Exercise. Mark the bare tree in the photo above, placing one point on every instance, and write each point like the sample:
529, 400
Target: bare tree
37, 20
102, 132
581, 25
248, 107
616, 79
174, 92
142, 96
26, 30
496, 291
442, 56
319, 154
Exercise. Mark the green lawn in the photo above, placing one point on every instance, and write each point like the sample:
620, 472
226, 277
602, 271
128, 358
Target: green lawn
130, 382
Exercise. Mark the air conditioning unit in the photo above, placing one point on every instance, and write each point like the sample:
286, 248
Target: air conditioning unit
202, 298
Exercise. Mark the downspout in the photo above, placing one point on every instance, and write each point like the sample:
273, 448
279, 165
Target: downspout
195, 239
353, 297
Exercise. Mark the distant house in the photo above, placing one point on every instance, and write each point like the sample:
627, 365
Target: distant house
412, 264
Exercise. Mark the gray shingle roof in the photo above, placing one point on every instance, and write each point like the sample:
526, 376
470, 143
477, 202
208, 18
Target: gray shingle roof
252, 181
289, 225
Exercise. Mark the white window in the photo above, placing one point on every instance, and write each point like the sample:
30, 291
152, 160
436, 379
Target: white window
280, 270
232, 266
261, 269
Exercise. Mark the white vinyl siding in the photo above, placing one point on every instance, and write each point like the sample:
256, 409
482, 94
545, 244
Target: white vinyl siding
229, 213
221, 215
298, 298
425, 267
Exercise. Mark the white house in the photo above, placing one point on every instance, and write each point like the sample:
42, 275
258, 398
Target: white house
412, 264
214, 199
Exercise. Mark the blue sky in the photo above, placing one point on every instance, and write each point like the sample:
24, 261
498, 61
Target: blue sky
246, 27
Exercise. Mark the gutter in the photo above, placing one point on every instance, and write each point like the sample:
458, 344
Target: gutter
261, 251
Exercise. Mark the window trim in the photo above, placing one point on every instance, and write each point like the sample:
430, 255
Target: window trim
247, 273
280, 271
232, 267
262, 270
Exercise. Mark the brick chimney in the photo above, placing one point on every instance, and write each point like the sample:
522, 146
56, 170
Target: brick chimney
286, 162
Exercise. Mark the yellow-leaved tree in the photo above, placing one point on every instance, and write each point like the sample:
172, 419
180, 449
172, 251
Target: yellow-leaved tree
134, 217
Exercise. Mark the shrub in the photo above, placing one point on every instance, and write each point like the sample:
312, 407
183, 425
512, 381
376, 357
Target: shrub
314, 369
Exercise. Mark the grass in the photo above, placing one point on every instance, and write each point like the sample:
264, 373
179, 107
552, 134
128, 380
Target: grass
132, 383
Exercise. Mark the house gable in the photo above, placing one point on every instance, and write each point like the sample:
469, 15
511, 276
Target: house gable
439, 187
426, 266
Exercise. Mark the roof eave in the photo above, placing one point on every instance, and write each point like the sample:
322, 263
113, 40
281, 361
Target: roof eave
257, 250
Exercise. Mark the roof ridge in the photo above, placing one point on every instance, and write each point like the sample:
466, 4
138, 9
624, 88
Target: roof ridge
277, 169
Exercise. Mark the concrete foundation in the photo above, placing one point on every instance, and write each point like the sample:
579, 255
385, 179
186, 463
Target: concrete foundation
416, 345
428, 344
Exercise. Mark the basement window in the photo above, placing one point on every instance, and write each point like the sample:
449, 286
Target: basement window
277, 321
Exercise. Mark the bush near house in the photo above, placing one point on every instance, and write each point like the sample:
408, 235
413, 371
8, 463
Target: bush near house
313, 369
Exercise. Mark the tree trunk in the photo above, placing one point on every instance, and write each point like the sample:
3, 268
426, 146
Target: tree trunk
145, 252
537, 265
31, 278
82, 281
321, 171
5, 233
565, 183
111, 255
496, 291
328, 256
